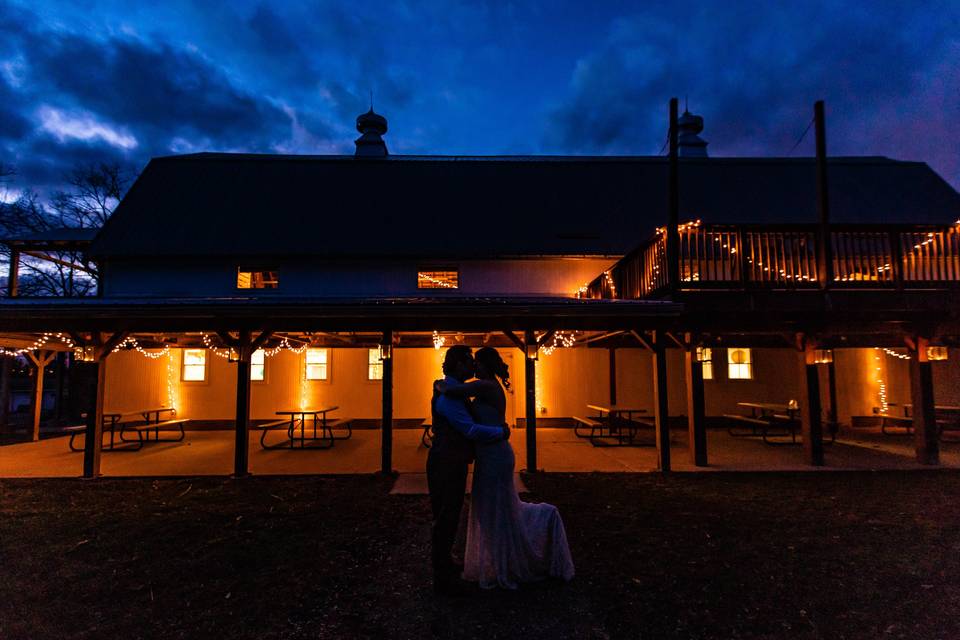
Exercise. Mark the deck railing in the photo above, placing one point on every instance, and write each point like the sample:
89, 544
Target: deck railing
774, 257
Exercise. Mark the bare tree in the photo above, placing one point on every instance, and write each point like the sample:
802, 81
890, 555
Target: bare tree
94, 192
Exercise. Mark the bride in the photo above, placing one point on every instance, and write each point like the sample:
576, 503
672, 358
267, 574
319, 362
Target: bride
508, 541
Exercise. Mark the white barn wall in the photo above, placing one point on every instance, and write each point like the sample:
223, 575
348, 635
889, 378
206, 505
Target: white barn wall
549, 276
568, 380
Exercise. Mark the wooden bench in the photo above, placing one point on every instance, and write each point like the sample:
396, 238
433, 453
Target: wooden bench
143, 431
762, 427
896, 422
752, 422
274, 425
74, 431
586, 423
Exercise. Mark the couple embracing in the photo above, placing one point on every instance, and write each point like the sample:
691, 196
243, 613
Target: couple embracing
508, 541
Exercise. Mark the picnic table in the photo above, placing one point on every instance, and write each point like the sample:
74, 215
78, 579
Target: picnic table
320, 420
764, 418
947, 417
612, 422
118, 425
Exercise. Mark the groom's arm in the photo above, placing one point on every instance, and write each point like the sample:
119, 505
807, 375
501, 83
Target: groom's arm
458, 416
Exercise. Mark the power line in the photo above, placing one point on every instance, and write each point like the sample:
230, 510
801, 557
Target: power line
802, 136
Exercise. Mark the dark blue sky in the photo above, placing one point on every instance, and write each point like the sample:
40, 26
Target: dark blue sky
89, 80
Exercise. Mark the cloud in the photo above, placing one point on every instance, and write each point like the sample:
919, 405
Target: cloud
753, 71
82, 126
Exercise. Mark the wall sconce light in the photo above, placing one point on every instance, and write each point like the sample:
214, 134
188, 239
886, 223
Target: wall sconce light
937, 353
533, 350
385, 351
233, 356
84, 354
822, 356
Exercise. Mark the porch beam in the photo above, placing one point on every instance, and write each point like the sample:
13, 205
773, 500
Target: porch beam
811, 407
62, 263
696, 418
386, 414
515, 340
660, 402
530, 371
925, 433
643, 341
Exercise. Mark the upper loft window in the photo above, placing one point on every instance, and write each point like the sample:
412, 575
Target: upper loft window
438, 279
251, 279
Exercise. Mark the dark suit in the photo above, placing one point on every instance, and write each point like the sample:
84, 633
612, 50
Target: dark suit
447, 462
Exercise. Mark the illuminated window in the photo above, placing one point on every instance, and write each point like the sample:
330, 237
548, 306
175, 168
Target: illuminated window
705, 356
194, 365
257, 365
257, 279
374, 365
739, 364
317, 360
438, 280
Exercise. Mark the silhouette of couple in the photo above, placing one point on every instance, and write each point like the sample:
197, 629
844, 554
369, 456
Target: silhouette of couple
508, 541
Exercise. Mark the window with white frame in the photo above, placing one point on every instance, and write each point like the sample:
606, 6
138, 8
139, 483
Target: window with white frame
194, 365
257, 365
739, 364
374, 365
705, 356
317, 364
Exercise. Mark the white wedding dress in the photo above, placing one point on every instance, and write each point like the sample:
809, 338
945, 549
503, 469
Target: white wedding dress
509, 541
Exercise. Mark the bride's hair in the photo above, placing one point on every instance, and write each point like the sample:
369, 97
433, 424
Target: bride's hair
490, 358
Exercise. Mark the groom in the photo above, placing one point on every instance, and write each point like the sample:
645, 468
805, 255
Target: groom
454, 433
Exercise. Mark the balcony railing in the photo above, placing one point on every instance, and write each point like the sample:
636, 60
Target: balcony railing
772, 257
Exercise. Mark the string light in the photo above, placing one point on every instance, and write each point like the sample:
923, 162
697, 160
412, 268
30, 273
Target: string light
130, 341
38, 344
891, 352
222, 353
172, 399
443, 284
884, 407
561, 339
438, 341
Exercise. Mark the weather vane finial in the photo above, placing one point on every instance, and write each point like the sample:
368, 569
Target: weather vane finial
371, 99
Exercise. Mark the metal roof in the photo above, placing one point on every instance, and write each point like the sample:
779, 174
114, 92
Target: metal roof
216, 204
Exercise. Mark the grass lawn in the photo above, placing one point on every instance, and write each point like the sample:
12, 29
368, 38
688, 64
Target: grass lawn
813, 555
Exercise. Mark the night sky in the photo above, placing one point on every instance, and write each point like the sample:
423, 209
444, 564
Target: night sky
87, 81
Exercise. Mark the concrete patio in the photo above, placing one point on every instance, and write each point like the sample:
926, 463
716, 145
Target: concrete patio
211, 453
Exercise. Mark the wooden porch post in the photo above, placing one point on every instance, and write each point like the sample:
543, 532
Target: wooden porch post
811, 409
613, 376
40, 361
824, 245
13, 275
832, 414
5, 371
530, 370
696, 422
386, 419
241, 447
660, 401
925, 432
93, 438
673, 203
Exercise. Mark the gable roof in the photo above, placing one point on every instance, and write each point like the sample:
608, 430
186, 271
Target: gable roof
214, 204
